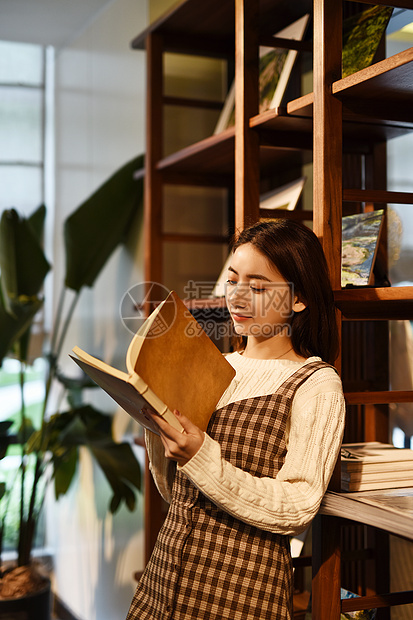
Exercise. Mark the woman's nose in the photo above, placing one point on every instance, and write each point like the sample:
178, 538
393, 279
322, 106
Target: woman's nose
238, 296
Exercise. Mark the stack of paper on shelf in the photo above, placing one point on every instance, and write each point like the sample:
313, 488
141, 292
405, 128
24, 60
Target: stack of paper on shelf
387, 509
375, 465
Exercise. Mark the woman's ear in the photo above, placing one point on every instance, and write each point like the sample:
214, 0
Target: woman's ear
299, 306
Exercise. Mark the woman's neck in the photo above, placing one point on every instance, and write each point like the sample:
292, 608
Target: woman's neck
277, 347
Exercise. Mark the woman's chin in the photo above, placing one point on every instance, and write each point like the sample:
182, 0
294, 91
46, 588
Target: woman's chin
240, 330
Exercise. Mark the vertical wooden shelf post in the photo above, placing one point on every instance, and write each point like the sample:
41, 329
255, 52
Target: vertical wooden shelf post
326, 601
327, 140
247, 161
154, 152
327, 209
153, 238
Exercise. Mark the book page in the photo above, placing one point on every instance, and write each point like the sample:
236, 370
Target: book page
129, 398
97, 363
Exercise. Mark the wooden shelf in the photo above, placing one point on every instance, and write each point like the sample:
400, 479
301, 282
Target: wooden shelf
379, 398
208, 28
359, 132
376, 100
211, 161
192, 26
383, 90
377, 196
402, 4
352, 115
285, 141
391, 303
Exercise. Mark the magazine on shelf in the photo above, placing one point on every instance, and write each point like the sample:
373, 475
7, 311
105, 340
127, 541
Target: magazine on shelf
362, 34
275, 68
283, 197
375, 465
373, 454
360, 237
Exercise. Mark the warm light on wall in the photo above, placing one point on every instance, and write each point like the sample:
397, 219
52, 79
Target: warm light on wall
408, 28
403, 34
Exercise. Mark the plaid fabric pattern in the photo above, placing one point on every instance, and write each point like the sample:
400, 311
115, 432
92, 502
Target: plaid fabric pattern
208, 565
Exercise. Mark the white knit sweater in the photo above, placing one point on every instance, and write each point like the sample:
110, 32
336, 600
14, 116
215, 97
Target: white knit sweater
288, 503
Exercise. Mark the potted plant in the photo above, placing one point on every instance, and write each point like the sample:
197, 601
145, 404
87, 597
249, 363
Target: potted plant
49, 453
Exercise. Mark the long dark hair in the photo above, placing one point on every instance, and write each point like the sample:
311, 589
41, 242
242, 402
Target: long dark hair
295, 251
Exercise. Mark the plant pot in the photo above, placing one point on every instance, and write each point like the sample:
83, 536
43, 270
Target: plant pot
36, 606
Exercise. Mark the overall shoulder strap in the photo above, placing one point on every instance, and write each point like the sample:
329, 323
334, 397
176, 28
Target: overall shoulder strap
299, 376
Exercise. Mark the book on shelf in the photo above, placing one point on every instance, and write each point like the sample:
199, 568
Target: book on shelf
171, 364
372, 485
275, 66
375, 465
360, 238
284, 197
398, 471
362, 34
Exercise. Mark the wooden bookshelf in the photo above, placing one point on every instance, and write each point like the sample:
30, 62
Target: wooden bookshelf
355, 115
389, 303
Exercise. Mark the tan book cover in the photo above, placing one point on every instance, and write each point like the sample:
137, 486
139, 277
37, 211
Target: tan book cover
171, 364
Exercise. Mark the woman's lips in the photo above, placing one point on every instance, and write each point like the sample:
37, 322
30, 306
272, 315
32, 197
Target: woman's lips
240, 317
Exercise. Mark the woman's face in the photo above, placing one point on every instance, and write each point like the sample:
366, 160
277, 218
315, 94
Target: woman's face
259, 300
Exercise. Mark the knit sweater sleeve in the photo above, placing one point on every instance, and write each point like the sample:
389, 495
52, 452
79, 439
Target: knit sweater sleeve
162, 469
287, 503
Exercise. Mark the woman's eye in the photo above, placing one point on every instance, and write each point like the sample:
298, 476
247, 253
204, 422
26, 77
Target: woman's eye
257, 290
231, 282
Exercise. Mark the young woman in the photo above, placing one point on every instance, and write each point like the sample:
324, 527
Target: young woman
257, 476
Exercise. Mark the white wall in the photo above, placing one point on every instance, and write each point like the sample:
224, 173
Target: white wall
100, 118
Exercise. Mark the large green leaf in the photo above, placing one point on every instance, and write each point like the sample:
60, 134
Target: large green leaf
23, 264
64, 470
65, 432
122, 471
23, 267
5, 438
14, 324
36, 221
97, 227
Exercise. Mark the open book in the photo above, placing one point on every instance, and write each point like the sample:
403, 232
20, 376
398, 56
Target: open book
171, 364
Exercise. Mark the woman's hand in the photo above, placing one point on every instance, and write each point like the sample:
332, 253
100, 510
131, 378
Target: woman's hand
179, 447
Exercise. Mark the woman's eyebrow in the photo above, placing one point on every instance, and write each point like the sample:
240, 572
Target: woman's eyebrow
258, 276
251, 276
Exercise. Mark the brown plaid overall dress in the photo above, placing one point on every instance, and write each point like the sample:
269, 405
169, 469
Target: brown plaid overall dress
207, 564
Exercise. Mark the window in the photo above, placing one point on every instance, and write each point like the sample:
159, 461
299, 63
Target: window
25, 163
